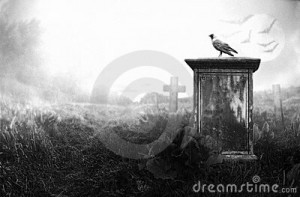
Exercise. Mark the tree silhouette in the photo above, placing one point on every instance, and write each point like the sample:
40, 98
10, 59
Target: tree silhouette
20, 56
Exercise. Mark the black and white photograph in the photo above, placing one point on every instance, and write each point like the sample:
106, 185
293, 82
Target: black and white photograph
140, 98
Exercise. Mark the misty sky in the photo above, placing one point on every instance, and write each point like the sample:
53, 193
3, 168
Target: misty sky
81, 37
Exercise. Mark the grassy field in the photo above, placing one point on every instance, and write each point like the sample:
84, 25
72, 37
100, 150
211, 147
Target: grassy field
57, 150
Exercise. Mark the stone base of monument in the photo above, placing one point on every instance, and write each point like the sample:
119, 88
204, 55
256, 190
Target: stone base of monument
223, 103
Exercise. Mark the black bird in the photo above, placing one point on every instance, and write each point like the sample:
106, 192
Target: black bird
221, 46
268, 29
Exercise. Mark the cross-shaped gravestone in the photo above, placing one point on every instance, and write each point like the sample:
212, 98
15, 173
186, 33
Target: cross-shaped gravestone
174, 89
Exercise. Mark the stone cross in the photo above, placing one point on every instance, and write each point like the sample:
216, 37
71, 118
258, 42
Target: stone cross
174, 89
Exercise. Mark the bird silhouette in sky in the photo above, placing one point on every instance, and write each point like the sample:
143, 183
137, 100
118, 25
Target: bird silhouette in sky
268, 29
238, 22
221, 46
247, 40
231, 34
266, 44
271, 49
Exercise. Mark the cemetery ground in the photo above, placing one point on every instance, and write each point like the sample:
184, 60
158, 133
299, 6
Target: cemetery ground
56, 151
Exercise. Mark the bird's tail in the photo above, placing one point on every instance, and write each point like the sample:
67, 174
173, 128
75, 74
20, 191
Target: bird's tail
228, 49
228, 53
233, 50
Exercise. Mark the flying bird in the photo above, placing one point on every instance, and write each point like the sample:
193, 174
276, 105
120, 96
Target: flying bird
268, 29
266, 44
238, 22
231, 34
272, 49
247, 40
221, 46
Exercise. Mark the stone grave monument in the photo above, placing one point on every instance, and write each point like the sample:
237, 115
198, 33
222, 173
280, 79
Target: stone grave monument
223, 103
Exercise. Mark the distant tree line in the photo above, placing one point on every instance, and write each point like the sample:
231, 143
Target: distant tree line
22, 75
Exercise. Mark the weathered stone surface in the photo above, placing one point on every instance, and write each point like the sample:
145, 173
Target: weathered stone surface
226, 63
223, 101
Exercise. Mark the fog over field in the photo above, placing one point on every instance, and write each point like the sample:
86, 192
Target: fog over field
65, 45
88, 106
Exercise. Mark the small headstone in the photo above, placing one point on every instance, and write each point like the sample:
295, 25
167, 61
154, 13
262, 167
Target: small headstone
278, 102
174, 89
277, 97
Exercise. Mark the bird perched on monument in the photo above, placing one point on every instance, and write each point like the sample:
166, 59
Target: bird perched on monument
221, 46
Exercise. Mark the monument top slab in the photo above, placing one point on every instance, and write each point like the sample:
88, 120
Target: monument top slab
224, 63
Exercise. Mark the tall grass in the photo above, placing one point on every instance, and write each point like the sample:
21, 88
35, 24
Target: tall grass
57, 151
